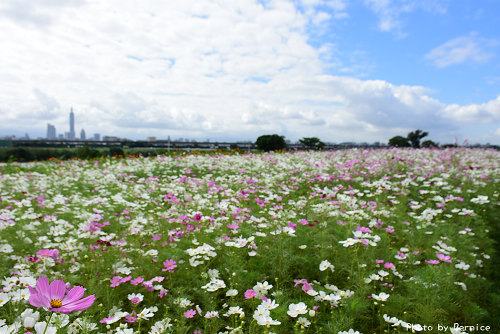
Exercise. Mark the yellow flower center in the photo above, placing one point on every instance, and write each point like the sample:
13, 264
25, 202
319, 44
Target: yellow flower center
55, 303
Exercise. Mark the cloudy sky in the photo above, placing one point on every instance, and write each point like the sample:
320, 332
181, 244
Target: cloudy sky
340, 70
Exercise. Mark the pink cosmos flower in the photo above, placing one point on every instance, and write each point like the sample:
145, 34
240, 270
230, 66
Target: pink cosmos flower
444, 258
137, 281
363, 229
388, 265
432, 261
55, 298
169, 265
53, 253
249, 294
189, 313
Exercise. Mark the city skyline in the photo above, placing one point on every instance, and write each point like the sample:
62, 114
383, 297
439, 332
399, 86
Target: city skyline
341, 70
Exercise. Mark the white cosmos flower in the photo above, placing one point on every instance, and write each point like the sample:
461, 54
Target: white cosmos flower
324, 265
381, 296
295, 309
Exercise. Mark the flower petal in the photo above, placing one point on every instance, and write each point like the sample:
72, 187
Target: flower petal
39, 300
78, 305
42, 286
57, 290
73, 295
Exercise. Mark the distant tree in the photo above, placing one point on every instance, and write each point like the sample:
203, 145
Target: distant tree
312, 143
270, 142
399, 141
115, 151
85, 152
429, 143
415, 136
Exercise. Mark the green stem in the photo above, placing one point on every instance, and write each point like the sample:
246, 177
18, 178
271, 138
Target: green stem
48, 322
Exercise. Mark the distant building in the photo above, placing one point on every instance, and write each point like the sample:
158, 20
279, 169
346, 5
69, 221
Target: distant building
72, 135
110, 138
97, 136
151, 138
82, 134
51, 131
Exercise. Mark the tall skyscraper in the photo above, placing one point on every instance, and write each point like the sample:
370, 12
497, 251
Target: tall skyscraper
82, 134
51, 131
72, 135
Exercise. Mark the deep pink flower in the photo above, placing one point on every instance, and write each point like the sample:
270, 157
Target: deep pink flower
55, 298
444, 258
189, 313
137, 281
388, 265
53, 253
363, 229
249, 294
169, 265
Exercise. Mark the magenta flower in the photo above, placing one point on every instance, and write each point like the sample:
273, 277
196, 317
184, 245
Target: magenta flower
388, 265
249, 294
53, 253
169, 265
137, 281
189, 313
55, 298
444, 258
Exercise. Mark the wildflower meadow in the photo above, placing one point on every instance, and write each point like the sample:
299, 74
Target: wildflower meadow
349, 241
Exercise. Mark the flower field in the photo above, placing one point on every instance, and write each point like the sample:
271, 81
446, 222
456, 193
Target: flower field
356, 241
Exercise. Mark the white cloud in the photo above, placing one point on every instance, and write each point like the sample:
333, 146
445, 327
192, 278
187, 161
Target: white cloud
390, 12
199, 69
461, 49
488, 112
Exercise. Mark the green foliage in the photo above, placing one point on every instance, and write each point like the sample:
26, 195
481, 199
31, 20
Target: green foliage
414, 137
429, 143
86, 152
116, 151
270, 142
399, 141
312, 143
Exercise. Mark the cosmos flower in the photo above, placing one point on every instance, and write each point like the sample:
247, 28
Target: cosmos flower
55, 298
295, 309
190, 313
249, 294
169, 265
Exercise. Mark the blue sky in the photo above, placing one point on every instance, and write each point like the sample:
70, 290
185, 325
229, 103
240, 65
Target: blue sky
341, 70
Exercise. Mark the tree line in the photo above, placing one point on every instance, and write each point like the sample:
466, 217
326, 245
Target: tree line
276, 142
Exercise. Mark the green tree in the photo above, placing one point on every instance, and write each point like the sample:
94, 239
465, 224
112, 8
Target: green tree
270, 142
399, 141
312, 143
429, 143
414, 137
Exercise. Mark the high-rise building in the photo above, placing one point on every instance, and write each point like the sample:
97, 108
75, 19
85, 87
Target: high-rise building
51, 131
97, 136
82, 134
72, 135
